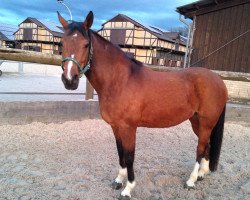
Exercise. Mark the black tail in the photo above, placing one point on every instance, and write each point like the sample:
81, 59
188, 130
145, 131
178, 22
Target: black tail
216, 141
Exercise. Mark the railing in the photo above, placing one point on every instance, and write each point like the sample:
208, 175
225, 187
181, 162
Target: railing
37, 57
29, 56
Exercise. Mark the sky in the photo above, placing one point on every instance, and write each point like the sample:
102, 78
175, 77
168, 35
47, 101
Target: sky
160, 13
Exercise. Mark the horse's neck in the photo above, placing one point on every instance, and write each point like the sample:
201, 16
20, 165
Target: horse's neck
109, 66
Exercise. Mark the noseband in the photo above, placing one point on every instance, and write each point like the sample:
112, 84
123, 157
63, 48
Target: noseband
84, 69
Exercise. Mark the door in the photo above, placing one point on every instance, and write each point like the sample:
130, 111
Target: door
117, 37
27, 34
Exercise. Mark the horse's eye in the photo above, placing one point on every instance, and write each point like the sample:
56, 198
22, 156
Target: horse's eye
86, 45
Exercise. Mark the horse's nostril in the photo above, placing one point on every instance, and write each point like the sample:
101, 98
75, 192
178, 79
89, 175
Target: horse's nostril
64, 78
75, 79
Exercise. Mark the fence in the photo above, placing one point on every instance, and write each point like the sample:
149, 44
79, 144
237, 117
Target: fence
36, 82
235, 81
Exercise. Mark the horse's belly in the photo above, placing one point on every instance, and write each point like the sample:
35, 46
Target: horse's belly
165, 117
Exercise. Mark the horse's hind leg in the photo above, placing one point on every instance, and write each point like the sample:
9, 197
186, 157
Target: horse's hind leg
204, 165
203, 133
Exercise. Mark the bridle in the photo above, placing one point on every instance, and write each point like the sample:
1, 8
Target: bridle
85, 68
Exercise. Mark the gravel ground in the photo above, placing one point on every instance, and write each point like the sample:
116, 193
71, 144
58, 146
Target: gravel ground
78, 160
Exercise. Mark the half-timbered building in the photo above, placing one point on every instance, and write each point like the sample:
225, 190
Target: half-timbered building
39, 35
148, 44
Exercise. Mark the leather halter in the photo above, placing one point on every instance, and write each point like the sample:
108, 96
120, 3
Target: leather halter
85, 68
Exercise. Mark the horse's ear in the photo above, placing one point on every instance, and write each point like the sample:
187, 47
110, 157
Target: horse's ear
62, 21
88, 21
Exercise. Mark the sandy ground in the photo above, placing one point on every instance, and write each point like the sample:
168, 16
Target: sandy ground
78, 160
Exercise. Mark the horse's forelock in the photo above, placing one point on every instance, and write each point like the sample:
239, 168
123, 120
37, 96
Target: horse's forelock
73, 26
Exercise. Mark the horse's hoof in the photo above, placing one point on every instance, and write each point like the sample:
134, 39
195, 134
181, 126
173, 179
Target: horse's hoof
189, 187
116, 186
200, 178
124, 197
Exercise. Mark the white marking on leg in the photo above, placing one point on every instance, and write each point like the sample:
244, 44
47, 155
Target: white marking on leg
204, 168
70, 65
121, 175
75, 35
129, 187
194, 175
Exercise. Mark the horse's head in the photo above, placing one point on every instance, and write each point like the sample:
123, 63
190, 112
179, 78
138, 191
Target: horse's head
76, 50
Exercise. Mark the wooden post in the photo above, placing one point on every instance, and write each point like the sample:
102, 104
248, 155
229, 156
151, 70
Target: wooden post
20, 67
29, 56
89, 91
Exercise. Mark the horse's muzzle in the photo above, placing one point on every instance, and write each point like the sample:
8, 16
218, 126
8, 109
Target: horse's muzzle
71, 84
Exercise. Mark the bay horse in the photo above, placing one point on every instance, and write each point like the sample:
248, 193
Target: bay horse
131, 95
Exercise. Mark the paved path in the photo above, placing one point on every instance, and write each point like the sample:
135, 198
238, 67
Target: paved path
36, 78
18, 83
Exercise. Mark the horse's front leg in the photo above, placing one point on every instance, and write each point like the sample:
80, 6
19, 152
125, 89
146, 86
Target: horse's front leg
118, 182
125, 140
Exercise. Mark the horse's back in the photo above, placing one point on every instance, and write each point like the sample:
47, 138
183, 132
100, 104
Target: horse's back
173, 97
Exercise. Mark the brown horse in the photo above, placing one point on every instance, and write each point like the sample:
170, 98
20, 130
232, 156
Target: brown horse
131, 95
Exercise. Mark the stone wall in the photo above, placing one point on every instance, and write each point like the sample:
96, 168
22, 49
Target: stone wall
61, 111
238, 90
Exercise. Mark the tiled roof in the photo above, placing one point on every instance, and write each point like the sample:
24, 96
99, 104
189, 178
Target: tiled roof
156, 31
53, 28
189, 9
